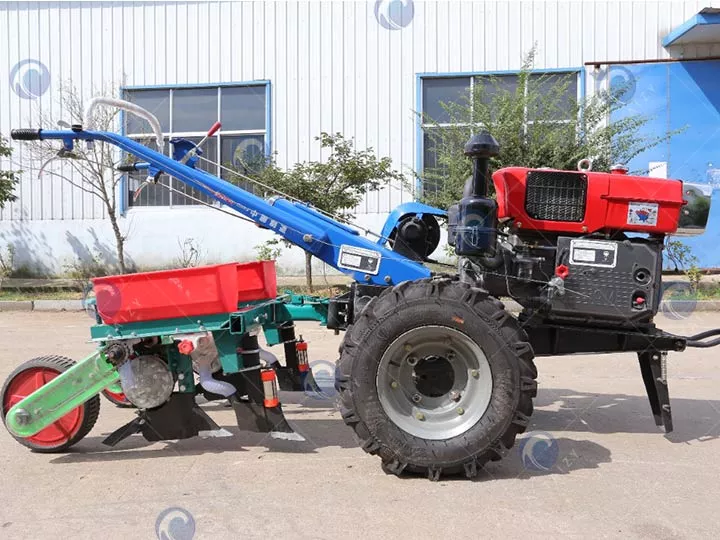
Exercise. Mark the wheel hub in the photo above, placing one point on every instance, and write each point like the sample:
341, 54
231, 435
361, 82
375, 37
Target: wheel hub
434, 382
433, 376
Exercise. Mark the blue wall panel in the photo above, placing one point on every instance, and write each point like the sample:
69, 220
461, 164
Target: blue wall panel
685, 97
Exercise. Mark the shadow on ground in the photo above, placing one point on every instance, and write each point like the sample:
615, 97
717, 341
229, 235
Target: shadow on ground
556, 410
559, 409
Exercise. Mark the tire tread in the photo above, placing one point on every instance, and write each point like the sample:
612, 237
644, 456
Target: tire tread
91, 406
485, 306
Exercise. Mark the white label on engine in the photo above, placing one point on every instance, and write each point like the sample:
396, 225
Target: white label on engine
359, 259
585, 255
642, 213
593, 253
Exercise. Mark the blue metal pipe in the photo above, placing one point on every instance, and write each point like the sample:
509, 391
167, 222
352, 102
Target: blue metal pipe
243, 201
334, 243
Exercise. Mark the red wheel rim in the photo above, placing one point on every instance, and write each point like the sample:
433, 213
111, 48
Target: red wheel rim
117, 396
24, 384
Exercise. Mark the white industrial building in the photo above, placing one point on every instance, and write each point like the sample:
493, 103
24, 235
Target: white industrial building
277, 73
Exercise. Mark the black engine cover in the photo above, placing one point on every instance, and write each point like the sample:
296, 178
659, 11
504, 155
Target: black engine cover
609, 280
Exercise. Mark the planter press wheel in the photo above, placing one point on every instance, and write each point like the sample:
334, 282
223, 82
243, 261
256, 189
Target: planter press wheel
66, 431
118, 399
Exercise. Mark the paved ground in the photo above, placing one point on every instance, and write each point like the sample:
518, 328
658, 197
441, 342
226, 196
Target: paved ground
616, 475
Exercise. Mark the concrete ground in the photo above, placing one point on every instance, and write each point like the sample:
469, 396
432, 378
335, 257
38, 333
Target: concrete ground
616, 475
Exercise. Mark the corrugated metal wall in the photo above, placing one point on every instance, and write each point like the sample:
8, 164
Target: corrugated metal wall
331, 65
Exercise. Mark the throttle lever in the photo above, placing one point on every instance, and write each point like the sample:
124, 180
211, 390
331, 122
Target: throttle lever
212, 131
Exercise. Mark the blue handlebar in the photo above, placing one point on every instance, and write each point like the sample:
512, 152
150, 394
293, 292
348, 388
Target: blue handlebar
336, 244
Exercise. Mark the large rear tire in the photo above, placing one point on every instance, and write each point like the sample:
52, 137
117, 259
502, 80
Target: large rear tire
65, 432
436, 378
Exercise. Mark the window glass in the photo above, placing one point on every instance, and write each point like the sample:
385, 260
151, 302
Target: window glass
148, 194
155, 101
561, 87
194, 109
559, 91
240, 143
493, 84
244, 153
429, 150
438, 91
143, 193
242, 108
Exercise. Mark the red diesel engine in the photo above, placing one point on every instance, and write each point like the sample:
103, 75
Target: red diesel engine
571, 245
585, 202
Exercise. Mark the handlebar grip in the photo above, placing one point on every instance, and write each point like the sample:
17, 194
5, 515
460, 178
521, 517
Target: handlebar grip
132, 167
25, 134
214, 129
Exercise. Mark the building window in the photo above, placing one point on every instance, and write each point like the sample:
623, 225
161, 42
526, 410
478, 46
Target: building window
189, 113
439, 90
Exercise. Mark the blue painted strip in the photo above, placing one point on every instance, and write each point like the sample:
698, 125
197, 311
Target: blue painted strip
124, 178
504, 72
268, 119
195, 85
583, 94
701, 19
418, 135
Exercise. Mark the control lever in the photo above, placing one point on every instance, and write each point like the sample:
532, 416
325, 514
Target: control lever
154, 179
212, 131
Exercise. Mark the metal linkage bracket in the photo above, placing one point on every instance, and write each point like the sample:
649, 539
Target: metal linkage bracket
653, 367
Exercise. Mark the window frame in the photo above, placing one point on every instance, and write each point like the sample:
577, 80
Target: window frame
124, 205
580, 72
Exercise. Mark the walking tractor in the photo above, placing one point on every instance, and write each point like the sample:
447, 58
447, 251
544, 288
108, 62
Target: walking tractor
434, 376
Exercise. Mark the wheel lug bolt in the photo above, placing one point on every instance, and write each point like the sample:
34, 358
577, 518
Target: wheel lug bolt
408, 347
416, 398
393, 385
455, 395
420, 416
460, 411
412, 360
475, 373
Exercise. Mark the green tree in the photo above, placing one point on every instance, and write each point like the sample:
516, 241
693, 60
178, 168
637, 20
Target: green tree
536, 125
334, 186
680, 255
8, 178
